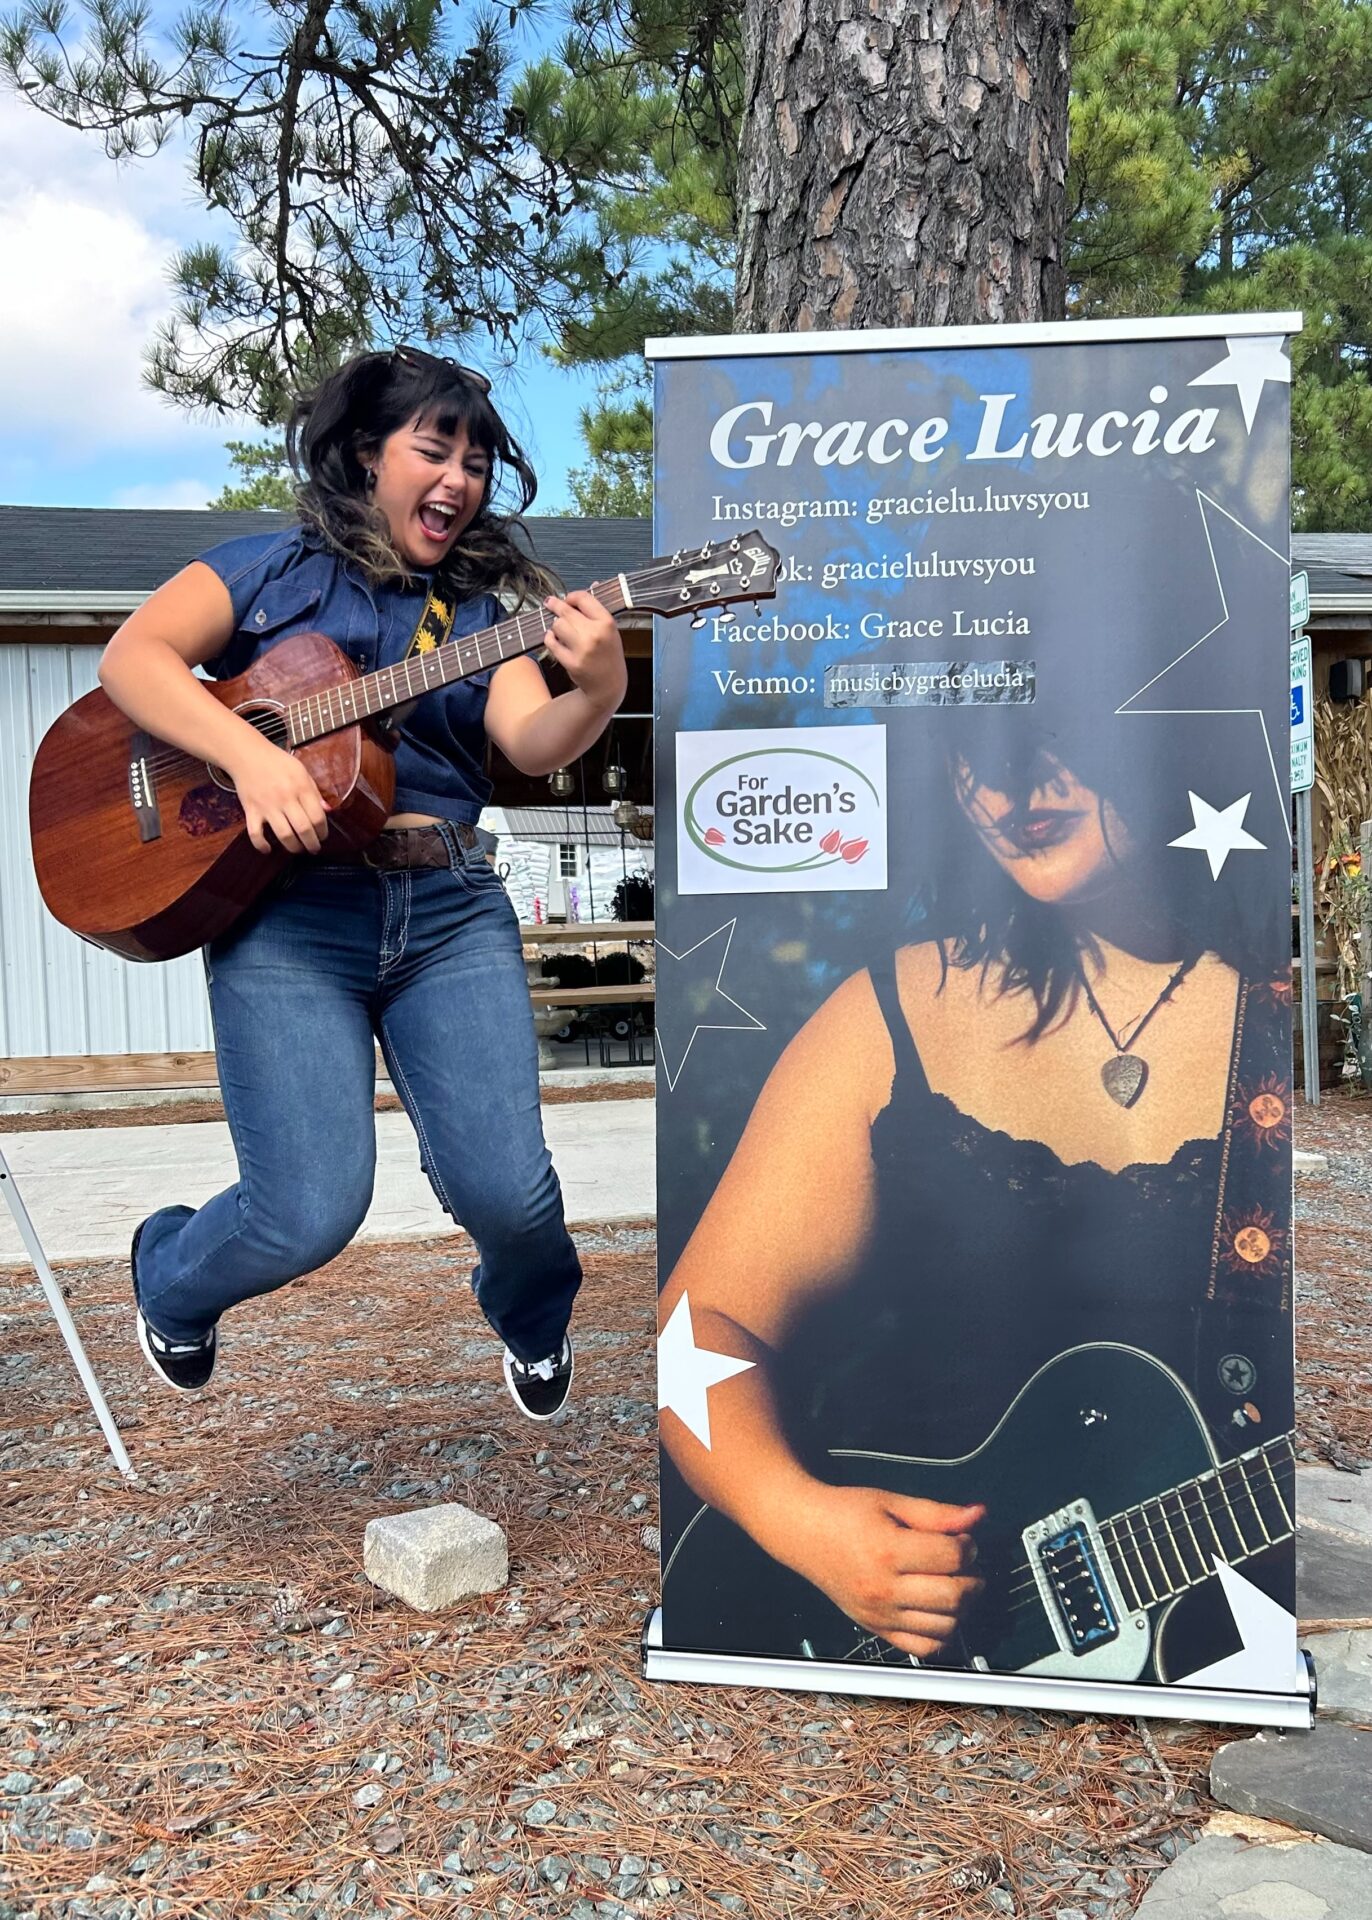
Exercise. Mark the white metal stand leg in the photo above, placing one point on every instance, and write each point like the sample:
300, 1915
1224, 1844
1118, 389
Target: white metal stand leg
63, 1319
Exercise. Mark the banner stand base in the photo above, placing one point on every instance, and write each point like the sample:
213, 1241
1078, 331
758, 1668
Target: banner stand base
969, 1688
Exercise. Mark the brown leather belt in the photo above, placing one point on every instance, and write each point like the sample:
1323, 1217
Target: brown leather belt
412, 846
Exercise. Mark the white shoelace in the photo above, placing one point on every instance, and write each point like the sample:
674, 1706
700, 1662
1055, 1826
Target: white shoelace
168, 1346
545, 1369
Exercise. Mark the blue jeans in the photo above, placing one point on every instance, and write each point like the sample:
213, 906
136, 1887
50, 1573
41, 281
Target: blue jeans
427, 961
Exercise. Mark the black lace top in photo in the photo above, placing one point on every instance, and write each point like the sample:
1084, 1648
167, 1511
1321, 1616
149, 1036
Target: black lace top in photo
989, 1256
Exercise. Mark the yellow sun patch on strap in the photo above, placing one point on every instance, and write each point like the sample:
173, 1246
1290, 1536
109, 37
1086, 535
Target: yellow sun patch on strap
435, 624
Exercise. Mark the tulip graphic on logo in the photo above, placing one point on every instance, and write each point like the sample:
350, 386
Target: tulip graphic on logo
771, 810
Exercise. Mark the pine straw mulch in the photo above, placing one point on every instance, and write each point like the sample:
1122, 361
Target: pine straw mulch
176, 1113
205, 1677
197, 1683
1334, 1262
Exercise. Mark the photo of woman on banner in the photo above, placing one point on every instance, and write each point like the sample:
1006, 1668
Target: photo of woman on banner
1005, 1243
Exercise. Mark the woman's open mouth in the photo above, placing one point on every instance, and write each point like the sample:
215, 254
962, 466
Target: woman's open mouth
437, 521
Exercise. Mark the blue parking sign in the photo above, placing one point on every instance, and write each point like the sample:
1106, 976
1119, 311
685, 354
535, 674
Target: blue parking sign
1302, 716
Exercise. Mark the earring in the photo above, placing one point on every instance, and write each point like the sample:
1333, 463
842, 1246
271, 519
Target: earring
369, 484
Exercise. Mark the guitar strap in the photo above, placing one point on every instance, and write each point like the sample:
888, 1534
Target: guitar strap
1244, 1371
435, 622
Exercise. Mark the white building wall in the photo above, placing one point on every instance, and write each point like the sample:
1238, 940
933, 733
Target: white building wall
58, 994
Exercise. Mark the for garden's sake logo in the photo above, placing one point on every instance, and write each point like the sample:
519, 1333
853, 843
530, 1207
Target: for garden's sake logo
787, 810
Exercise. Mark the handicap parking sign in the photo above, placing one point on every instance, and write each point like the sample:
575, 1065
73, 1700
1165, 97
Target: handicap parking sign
1302, 719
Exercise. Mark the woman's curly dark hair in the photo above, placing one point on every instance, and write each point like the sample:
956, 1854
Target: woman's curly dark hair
983, 920
351, 412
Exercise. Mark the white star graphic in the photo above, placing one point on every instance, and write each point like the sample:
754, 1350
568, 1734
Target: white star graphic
1253, 360
694, 995
1267, 1660
1218, 832
686, 1372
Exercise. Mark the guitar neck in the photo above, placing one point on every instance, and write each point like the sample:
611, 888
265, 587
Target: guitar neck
1169, 1544
371, 694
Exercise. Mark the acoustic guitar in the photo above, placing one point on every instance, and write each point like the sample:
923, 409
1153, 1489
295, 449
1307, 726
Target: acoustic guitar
143, 848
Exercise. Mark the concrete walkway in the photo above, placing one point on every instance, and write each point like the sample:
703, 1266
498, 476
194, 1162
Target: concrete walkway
87, 1189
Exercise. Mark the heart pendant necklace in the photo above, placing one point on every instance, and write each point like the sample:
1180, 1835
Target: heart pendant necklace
1125, 1077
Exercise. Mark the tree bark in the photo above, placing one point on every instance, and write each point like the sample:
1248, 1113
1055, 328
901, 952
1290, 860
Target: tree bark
902, 163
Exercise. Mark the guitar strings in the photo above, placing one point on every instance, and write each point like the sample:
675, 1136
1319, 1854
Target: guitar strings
1228, 1559
1149, 1538
1145, 1601
1143, 1528
166, 758
1033, 1596
1142, 1532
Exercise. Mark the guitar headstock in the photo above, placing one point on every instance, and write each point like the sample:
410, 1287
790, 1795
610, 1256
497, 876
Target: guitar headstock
693, 579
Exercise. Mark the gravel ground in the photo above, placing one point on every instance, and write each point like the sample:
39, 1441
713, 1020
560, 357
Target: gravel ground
206, 1710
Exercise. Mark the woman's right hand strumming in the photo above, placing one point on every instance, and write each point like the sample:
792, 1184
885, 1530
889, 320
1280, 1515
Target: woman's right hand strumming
277, 793
897, 1566
147, 671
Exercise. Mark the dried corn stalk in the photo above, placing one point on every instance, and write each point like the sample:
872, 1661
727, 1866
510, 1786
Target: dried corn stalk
1343, 785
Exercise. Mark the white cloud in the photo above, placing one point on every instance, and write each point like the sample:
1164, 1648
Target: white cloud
84, 250
86, 247
82, 289
33, 148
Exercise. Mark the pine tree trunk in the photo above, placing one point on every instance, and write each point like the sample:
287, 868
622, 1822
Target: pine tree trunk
902, 163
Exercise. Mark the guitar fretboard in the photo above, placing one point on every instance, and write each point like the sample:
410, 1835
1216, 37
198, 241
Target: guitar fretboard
1164, 1546
374, 693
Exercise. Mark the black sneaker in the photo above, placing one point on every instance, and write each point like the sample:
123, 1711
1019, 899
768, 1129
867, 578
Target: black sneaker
540, 1387
185, 1365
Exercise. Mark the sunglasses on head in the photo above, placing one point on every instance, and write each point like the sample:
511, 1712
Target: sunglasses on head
421, 361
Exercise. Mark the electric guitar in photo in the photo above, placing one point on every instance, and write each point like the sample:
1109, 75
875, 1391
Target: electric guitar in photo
1109, 1517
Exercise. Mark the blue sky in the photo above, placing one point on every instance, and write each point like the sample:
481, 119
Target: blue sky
86, 246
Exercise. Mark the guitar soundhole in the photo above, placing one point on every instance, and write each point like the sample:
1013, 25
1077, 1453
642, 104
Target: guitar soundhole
271, 723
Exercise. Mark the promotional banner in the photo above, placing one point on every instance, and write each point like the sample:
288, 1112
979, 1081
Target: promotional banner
973, 869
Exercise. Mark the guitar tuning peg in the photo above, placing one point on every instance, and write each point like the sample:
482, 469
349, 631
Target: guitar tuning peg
697, 620
725, 616
757, 608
